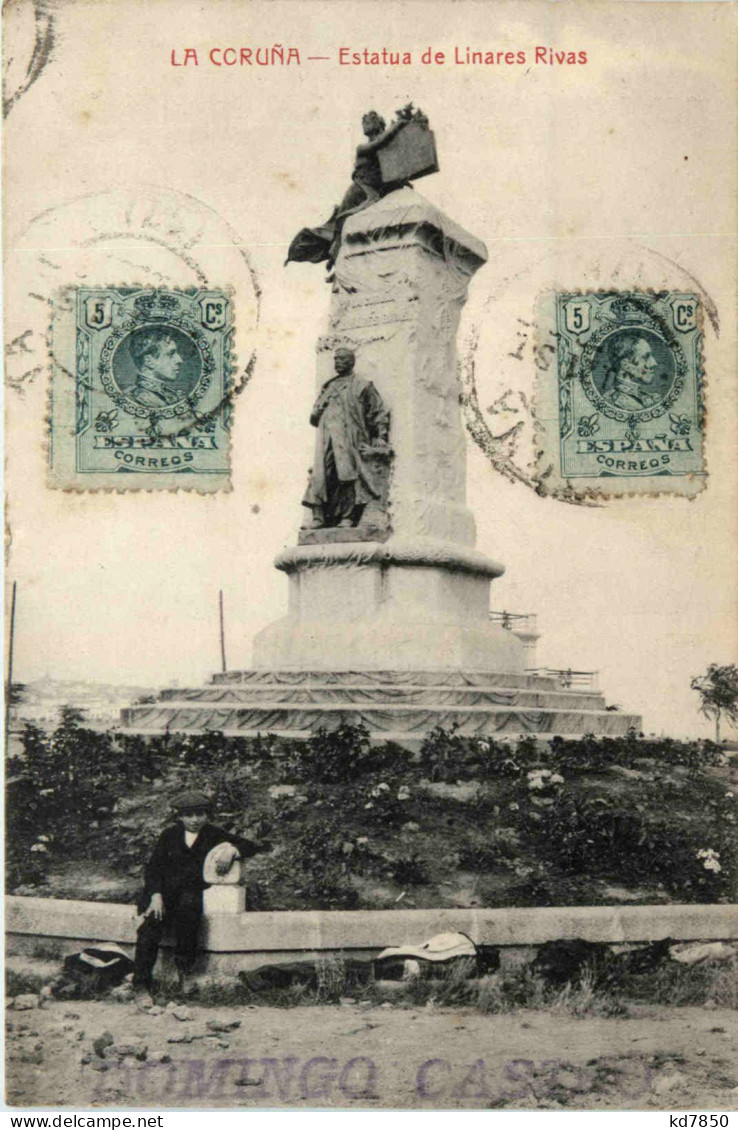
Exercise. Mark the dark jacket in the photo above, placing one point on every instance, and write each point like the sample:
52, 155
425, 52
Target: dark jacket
173, 866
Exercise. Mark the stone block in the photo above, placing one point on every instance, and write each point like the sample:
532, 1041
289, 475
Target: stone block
224, 899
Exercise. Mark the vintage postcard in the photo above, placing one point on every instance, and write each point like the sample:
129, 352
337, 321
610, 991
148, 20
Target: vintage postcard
371, 481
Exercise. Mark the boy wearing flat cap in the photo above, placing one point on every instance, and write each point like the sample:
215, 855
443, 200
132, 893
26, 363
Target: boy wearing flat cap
174, 883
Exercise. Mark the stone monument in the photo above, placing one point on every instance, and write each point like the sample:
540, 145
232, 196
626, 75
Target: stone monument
388, 618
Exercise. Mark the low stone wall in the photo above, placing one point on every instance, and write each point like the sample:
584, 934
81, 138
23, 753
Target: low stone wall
53, 927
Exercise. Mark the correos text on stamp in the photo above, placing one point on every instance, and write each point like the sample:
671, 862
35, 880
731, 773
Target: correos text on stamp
623, 402
140, 393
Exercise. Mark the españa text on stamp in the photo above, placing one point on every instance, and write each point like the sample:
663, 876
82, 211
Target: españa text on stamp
149, 404
623, 402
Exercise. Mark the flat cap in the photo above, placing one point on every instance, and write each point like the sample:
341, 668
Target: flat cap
193, 801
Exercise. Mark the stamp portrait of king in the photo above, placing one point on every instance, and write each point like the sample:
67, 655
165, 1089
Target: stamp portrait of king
153, 389
628, 390
633, 370
157, 366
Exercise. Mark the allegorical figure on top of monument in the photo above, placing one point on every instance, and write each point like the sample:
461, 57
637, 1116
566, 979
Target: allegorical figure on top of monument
389, 158
350, 447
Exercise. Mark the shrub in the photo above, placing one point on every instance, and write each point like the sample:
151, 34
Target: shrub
485, 852
448, 756
61, 784
211, 751
410, 869
315, 866
340, 756
630, 841
591, 754
444, 755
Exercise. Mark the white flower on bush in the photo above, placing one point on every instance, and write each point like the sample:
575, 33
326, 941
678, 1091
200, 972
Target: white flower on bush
39, 847
729, 796
379, 789
543, 779
404, 793
710, 859
363, 840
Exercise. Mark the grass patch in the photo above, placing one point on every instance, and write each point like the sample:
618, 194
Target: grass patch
674, 984
17, 983
585, 998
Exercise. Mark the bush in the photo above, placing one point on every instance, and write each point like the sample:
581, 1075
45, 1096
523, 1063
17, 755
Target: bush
543, 837
64, 784
486, 852
315, 866
211, 751
410, 870
631, 842
591, 754
340, 756
444, 755
59, 786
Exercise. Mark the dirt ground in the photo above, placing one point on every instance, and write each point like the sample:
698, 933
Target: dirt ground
369, 1057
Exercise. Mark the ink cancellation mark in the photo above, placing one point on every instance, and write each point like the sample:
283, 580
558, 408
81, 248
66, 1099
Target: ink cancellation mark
150, 403
623, 403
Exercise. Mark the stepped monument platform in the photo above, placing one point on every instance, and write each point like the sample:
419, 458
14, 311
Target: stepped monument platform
388, 621
393, 705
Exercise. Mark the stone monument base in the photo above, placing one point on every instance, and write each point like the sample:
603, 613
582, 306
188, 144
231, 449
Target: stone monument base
408, 604
393, 705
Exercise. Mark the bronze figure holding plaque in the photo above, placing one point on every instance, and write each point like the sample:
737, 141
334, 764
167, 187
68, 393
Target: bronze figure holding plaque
389, 158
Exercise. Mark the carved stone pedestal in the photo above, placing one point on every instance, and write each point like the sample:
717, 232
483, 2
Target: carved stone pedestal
418, 595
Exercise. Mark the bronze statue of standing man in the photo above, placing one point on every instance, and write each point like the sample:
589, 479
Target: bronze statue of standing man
352, 429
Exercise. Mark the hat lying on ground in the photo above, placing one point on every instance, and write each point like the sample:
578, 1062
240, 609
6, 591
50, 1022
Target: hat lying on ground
442, 947
193, 801
214, 856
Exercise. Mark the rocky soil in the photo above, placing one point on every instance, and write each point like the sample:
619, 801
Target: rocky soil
103, 1053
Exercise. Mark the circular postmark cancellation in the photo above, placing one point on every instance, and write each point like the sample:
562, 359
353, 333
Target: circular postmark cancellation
124, 411
547, 388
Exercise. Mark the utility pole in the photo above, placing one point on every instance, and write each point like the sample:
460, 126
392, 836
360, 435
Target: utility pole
9, 683
222, 632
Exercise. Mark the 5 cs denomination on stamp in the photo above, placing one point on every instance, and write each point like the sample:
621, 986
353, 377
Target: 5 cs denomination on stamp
623, 402
141, 390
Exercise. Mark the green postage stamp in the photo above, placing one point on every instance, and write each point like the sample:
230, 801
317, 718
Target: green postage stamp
621, 404
141, 389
